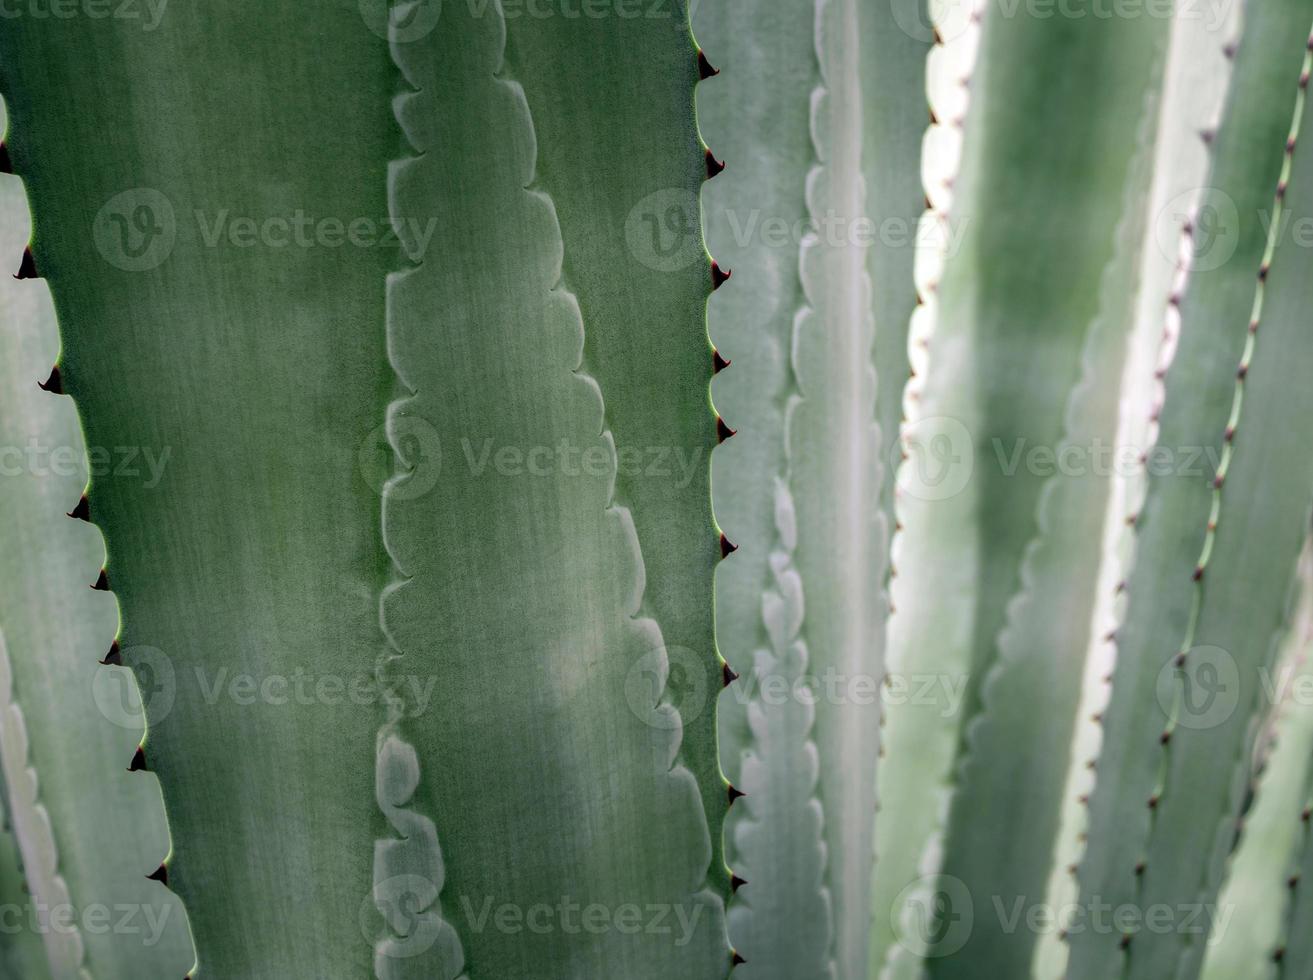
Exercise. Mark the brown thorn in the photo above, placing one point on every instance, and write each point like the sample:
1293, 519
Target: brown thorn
82, 512
54, 384
27, 268
714, 166
727, 674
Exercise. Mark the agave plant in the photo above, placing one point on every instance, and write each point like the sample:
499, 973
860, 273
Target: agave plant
406, 591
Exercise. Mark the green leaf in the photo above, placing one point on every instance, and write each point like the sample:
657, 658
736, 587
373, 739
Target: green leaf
1212, 573
248, 568
820, 309
1026, 299
22, 956
612, 101
1255, 907
1197, 72
70, 725
552, 754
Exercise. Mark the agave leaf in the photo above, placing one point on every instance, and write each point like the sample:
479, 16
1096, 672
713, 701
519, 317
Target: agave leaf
248, 568
620, 156
781, 922
803, 111
1027, 317
1197, 73
22, 956
525, 591
1212, 573
66, 734
1255, 908
919, 741
1294, 954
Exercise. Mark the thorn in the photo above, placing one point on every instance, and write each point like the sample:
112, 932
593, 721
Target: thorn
1242, 371
1290, 145
6, 165
53, 384
82, 512
1292, 881
714, 166
1126, 940
1139, 869
1279, 954
939, 38
1229, 434
1305, 815
102, 583
735, 882
1153, 802
1198, 572
1180, 660
934, 119
1262, 272
727, 674
160, 874
1281, 190
1229, 51
727, 547
1207, 135
723, 431
1164, 738
718, 363
717, 277
115, 656
704, 66
27, 268
734, 794
737, 959
138, 763
1218, 481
